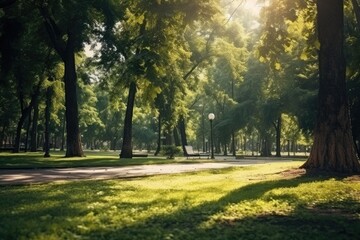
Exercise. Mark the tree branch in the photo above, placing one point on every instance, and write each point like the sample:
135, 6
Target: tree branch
356, 7
54, 32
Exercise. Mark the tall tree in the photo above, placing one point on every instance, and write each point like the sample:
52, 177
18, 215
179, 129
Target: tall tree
69, 25
151, 43
333, 148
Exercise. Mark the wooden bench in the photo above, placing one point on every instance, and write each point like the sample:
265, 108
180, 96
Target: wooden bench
189, 152
140, 155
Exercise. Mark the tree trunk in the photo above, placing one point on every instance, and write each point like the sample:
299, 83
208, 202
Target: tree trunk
73, 138
26, 142
266, 146
33, 140
47, 122
158, 149
233, 147
16, 148
182, 128
333, 148
25, 112
63, 126
2, 136
176, 137
277, 126
126, 149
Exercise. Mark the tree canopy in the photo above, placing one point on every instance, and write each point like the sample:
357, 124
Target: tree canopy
136, 75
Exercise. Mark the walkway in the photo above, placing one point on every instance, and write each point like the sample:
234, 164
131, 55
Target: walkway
28, 176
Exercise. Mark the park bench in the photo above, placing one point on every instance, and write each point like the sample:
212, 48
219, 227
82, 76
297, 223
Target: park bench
189, 152
140, 155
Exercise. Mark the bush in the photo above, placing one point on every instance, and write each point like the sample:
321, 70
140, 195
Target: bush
170, 151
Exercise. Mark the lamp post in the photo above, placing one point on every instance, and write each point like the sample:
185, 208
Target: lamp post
203, 127
211, 117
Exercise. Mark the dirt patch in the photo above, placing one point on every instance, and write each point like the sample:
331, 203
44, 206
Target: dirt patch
354, 178
293, 173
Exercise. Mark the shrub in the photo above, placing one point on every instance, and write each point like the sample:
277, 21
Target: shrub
170, 151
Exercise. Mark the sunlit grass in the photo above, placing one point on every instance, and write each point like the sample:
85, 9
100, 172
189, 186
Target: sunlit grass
236, 203
92, 159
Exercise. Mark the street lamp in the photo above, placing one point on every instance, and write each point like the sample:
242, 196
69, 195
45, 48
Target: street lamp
203, 127
211, 117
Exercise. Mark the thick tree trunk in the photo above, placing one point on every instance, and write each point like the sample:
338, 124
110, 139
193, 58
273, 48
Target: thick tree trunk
333, 149
73, 139
266, 146
126, 149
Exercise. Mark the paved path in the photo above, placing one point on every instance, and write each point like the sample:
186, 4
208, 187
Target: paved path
27, 176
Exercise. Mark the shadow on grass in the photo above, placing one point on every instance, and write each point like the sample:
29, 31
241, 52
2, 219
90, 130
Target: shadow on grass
61, 205
29, 161
198, 222
93, 159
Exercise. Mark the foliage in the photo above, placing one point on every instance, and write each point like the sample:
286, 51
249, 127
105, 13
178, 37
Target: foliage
187, 58
170, 151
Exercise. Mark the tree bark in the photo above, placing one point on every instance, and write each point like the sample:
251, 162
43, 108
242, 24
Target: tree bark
73, 138
233, 147
126, 149
63, 126
16, 148
33, 138
182, 128
333, 149
277, 126
26, 142
158, 149
176, 137
266, 146
47, 122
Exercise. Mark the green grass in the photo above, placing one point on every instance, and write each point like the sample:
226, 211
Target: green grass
259, 202
92, 159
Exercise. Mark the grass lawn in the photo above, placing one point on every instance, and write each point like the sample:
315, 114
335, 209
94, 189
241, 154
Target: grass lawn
92, 159
260, 202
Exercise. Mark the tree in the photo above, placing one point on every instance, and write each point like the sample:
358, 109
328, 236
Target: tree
150, 46
333, 148
69, 24
23, 65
